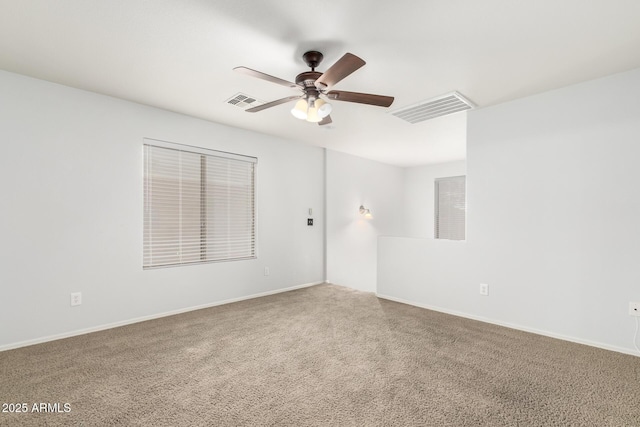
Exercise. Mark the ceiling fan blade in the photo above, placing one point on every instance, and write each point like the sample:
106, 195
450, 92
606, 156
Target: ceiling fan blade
338, 71
325, 121
263, 76
272, 104
362, 98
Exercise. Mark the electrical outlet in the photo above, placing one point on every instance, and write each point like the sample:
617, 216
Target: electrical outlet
266, 271
484, 289
76, 298
634, 309
310, 221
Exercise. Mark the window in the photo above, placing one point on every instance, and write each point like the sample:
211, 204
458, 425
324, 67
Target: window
450, 208
199, 205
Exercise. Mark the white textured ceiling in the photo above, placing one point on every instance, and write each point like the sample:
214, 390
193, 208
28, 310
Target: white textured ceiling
179, 55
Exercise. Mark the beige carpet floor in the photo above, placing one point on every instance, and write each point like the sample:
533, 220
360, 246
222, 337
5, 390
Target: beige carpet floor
319, 356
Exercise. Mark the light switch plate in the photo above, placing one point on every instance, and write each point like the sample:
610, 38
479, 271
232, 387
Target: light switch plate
484, 289
76, 298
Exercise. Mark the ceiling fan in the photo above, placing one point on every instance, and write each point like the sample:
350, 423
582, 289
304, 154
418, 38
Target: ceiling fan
315, 85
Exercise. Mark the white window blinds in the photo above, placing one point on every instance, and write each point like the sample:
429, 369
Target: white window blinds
450, 208
199, 205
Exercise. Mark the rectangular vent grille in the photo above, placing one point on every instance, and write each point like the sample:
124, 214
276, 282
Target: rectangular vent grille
435, 107
243, 101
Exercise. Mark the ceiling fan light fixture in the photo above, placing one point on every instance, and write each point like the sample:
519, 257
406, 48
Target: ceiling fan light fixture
299, 111
324, 108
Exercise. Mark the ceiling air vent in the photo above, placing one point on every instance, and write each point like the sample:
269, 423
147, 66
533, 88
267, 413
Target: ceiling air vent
430, 109
243, 101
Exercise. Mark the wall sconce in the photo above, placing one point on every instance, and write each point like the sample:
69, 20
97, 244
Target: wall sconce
365, 212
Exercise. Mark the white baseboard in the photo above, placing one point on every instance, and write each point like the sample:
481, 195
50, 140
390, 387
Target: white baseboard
513, 326
149, 317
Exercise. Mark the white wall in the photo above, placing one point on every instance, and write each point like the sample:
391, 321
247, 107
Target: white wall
419, 196
71, 215
552, 184
351, 239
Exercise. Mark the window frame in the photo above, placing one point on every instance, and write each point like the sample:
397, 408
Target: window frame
147, 261
437, 233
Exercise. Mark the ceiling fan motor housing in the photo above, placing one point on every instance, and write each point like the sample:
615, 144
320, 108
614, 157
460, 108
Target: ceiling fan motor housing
307, 78
307, 81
